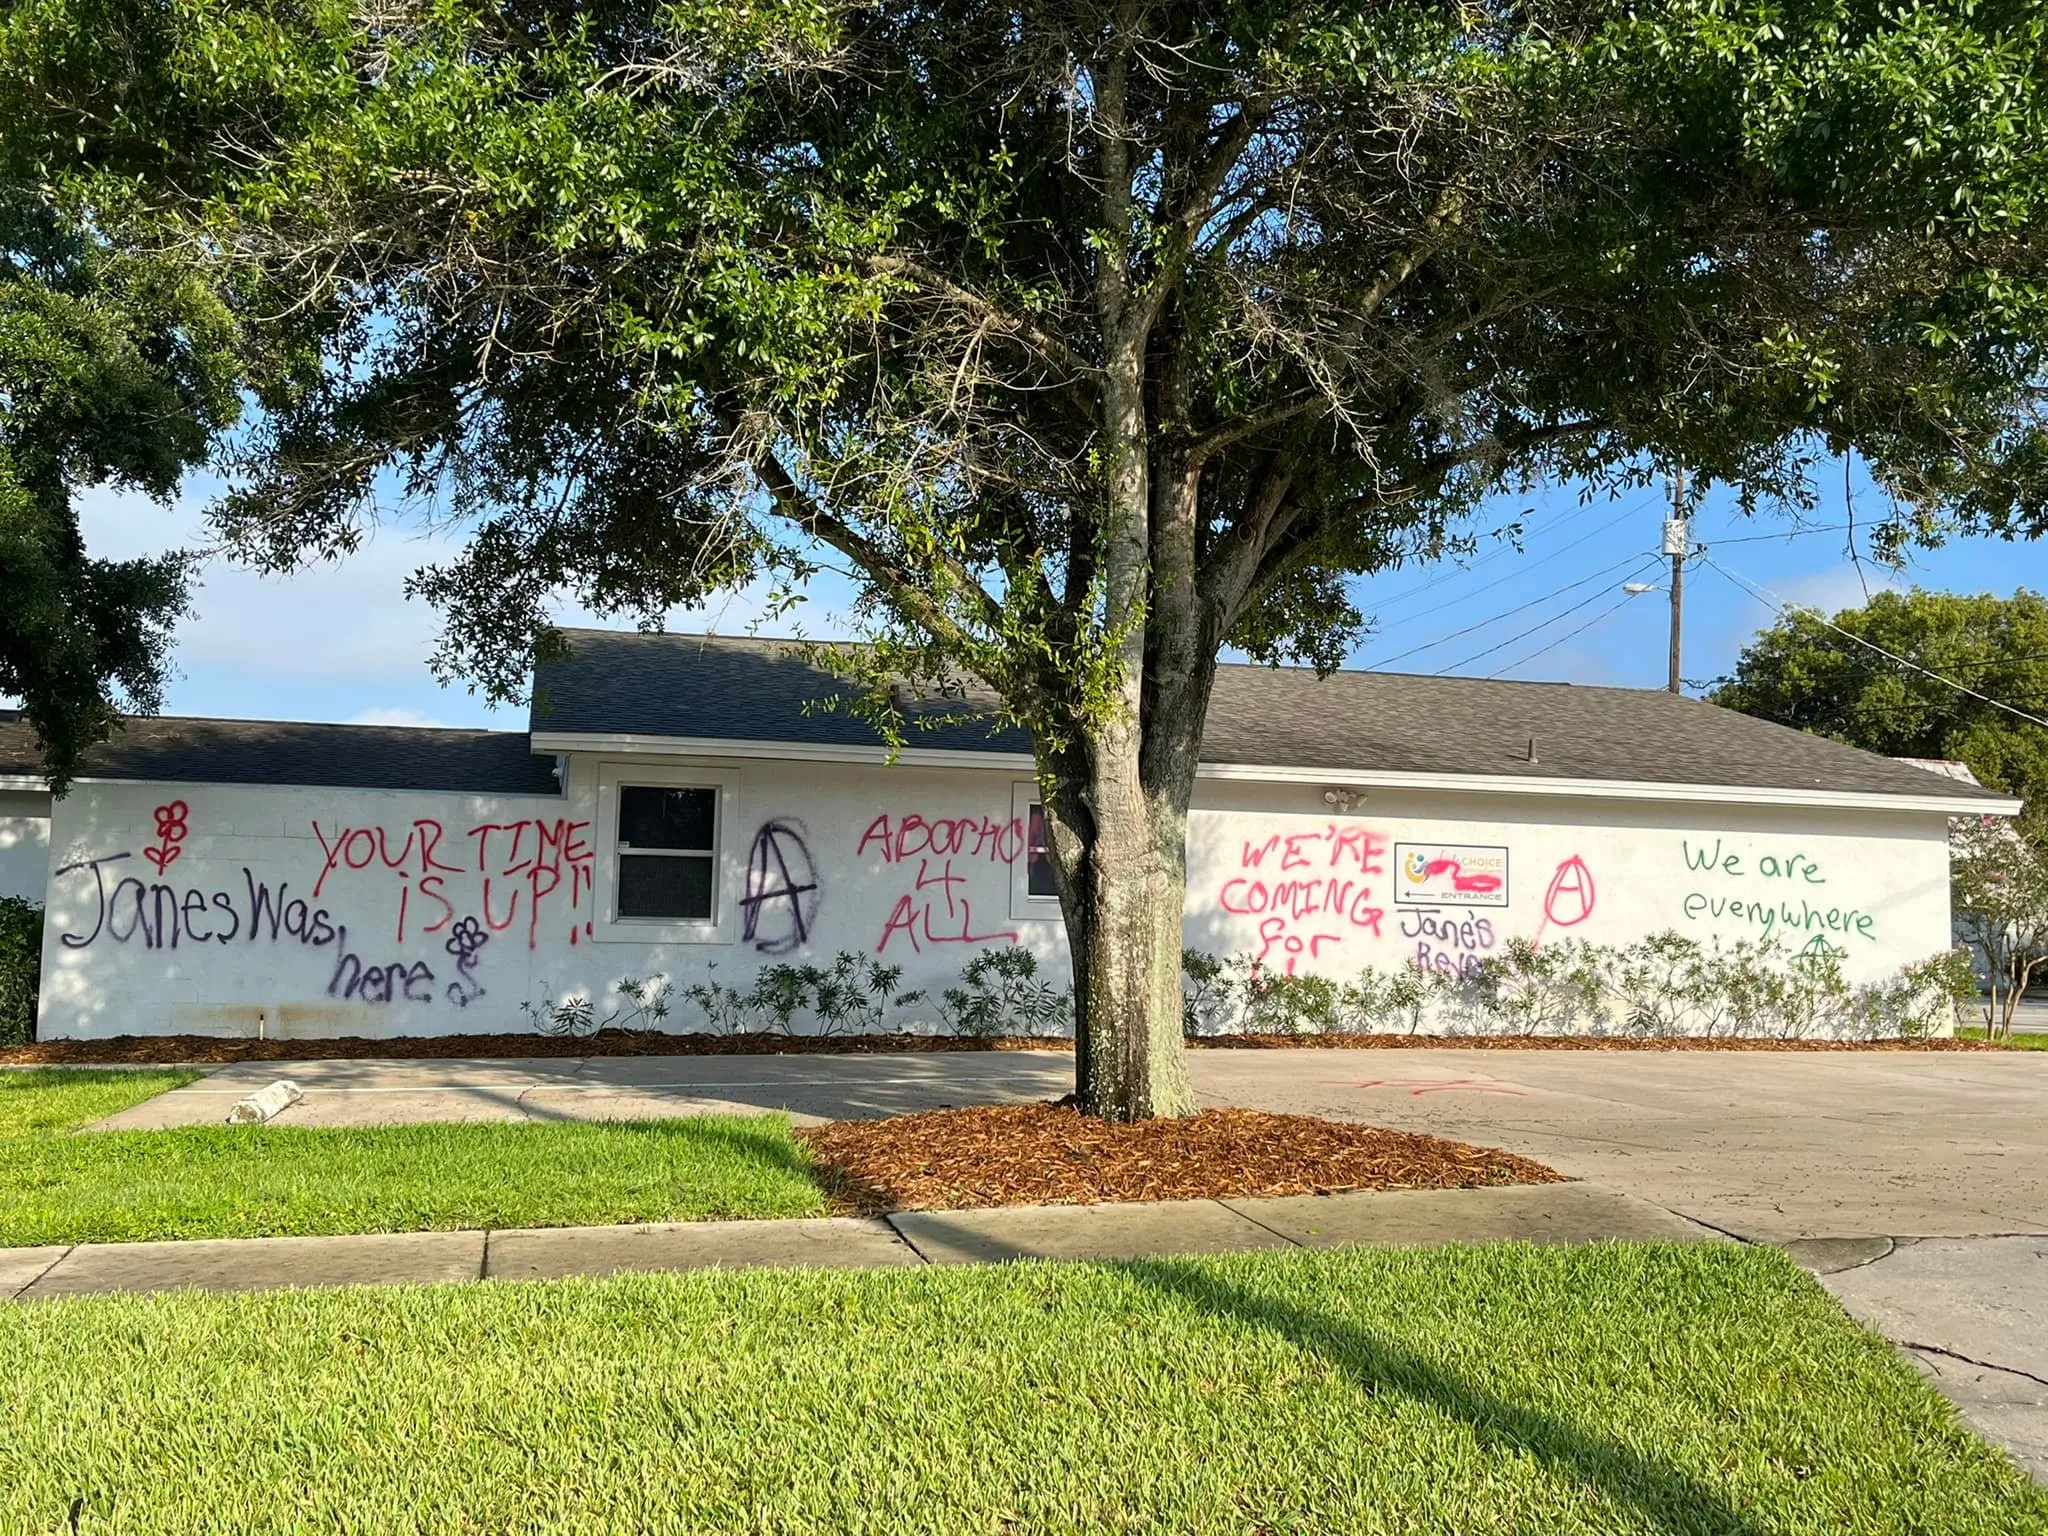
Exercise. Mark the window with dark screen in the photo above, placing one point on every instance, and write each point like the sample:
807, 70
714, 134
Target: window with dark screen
667, 853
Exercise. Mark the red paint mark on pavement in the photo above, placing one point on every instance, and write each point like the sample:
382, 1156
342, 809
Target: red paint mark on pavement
1417, 1087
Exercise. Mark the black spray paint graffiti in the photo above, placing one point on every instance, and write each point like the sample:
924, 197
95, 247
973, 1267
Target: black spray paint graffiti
161, 916
465, 940
157, 916
782, 888
1452, 943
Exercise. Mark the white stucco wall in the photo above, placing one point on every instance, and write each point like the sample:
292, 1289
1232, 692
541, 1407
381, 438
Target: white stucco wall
24, 843
303, 912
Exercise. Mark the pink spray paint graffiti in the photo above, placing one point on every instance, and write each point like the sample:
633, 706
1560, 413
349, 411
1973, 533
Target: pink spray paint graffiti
1304, 892
938, 891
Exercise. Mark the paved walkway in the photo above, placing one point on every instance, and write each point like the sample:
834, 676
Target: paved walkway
1546, 1213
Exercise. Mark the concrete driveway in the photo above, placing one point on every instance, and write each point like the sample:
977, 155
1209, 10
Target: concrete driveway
1766, 1146
1915, 1185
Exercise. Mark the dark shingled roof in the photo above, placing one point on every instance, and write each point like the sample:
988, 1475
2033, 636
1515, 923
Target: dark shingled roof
1351, 722
288, 752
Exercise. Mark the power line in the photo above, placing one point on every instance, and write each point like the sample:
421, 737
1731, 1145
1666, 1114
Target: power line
1759, 538
1556, 554
1642, 563
1604, 613
1765, 595
1456, 634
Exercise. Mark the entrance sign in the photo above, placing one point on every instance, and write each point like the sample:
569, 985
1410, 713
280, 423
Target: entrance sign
1450, 875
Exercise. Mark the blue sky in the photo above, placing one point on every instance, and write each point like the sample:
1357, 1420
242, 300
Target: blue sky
341, 642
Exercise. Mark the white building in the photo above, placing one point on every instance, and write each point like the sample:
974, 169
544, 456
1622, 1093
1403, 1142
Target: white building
676, 809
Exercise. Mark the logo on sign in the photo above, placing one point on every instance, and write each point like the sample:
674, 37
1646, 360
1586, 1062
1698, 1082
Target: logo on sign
1450, 875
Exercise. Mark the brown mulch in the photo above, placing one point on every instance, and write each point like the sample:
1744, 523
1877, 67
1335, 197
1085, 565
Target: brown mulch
1052, 1154
207, 1050
1564, 1043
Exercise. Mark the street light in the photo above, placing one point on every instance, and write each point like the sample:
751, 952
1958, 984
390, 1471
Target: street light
1638, 588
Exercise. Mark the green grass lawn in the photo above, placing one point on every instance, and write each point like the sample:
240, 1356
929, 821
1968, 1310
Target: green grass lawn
1659, 1390
264, 1181
2030, 1041
50, 1101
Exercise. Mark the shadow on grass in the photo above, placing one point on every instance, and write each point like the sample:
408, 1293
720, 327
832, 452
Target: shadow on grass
1672, 1500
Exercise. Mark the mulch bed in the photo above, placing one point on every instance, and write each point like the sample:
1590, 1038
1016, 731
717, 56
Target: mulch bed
1052, 1154
1563, 1043
206, 1050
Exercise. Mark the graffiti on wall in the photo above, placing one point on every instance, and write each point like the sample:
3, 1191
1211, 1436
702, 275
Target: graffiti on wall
1767, 894
170, 822
492, 878
936, 908
1450, 942
521, 873
780, 906
1569, 898
1307, 890
1446, 875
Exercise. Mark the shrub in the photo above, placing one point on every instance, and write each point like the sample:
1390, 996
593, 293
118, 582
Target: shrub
1664, 986
21, 968
1001, 993
854, 994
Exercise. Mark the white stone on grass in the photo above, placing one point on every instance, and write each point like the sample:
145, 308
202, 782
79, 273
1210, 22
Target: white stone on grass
265, 1103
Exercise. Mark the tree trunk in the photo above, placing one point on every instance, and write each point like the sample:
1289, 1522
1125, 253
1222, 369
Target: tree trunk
1123, 867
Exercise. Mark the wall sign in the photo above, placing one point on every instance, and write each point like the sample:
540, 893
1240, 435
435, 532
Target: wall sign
1450, 875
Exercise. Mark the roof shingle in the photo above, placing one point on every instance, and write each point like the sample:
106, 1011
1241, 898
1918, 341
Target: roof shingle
1359, 722
194, 751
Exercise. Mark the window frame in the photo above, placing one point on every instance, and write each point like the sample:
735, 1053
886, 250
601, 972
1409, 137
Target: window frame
726, 855
1025, 907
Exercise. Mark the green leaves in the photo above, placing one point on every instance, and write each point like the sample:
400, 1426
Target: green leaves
657, 297
115, 368
1804, 673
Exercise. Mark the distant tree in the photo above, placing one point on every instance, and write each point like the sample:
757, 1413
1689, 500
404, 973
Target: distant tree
116, 368
1999, 876
1808, 674
1089, 336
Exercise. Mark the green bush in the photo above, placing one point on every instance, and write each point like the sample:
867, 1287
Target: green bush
1664, 986
1001, 993
21, 968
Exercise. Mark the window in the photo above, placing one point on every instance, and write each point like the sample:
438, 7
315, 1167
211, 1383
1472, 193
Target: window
1038, 875
667, 853
1034, 896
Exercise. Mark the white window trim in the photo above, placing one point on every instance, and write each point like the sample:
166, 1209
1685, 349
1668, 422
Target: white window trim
1025, 907
728, 868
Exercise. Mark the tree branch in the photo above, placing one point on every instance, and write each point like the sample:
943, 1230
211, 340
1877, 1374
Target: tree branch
996, 318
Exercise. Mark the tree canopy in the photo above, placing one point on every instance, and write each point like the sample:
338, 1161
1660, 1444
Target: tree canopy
1087, 336
1835, 679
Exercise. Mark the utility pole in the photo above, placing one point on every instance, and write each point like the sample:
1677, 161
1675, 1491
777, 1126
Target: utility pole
1674, 545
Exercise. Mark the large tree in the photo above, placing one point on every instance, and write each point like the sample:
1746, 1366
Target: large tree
1912, 674
1089, 338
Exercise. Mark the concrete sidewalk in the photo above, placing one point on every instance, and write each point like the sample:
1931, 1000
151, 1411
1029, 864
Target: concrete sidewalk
1971, 1313
1545, 1213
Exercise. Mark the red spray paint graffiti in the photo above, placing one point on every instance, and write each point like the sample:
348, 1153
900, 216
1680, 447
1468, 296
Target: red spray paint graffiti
1305, 892
937, 909
523, 868
171, 824
1569, 899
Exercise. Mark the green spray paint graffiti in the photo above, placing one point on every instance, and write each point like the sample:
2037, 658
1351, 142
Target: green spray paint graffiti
1795, 917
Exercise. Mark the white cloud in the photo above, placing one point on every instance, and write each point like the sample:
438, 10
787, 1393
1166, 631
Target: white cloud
1837, 588
383, 716
348, 619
